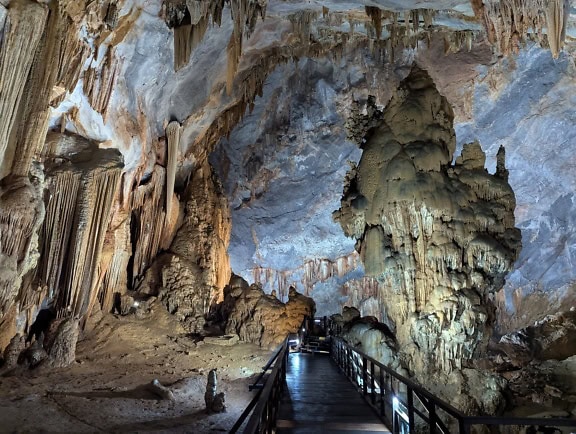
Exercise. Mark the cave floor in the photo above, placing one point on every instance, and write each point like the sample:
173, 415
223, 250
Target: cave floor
107, 388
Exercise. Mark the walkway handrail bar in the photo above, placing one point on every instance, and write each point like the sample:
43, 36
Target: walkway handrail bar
245, 413
269, 393
431, 402
257, 384
263, 418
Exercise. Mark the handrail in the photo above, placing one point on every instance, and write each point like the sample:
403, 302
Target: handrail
256, 384
279, 354
263, 418
347, 358
245, 413
267, 399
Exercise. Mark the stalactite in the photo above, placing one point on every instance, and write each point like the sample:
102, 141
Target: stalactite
32, 130
244, 16
234, 49
95, 201
173, 146
21, 213
454, 41
57, 226
99, 83
190, 21
375, 15
359, 291
73, 53
84, 180
147, 221
248, 85
302, 24
308, 274
509, 22
27, 20
428, 16
556, 19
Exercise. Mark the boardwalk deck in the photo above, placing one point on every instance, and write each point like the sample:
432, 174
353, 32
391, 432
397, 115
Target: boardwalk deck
319, 399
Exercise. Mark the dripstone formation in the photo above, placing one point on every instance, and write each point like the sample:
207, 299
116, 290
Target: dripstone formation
438, 236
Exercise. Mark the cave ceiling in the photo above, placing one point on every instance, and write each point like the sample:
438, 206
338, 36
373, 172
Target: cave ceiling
263, 91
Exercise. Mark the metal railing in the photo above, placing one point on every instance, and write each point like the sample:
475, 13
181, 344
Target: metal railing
404, 404
264, 406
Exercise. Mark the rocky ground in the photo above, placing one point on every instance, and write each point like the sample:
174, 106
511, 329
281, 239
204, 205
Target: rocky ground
107, 389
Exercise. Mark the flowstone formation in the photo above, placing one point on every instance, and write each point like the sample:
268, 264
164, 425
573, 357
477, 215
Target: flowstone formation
439, 237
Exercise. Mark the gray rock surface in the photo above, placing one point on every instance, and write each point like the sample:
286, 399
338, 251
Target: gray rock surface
527, 106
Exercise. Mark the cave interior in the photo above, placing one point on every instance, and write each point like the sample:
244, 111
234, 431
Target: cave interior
179, 171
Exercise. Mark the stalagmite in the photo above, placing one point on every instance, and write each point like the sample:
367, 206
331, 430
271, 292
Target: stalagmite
206, 229
437, 237
115, 275
261, 318
197, 268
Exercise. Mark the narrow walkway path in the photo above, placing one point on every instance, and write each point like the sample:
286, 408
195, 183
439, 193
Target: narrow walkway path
320, 399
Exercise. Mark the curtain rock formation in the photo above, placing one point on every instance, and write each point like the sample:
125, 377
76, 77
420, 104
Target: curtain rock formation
83, 182
439, 237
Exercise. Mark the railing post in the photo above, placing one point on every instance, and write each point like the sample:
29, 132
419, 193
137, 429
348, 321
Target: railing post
410, 397
365, 375
382, 407
372, 384
432, 417
348, 367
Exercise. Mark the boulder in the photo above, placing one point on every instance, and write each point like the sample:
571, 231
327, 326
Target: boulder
551, 338
261, 318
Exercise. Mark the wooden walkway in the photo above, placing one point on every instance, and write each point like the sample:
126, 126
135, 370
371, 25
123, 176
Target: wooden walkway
320, 399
